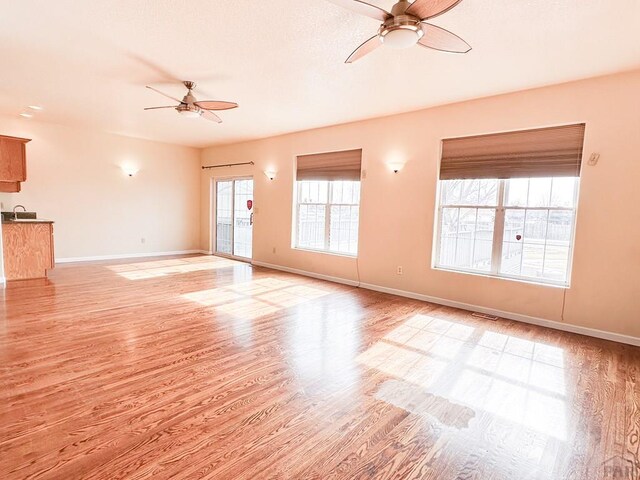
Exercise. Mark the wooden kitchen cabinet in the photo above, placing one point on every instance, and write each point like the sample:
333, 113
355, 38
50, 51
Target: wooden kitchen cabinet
10, 187
13, 163
27, 249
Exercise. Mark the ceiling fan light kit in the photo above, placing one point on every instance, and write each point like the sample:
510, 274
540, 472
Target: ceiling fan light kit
405, 26
187, 112
401, 32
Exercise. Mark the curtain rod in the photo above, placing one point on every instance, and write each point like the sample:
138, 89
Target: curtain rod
228, 165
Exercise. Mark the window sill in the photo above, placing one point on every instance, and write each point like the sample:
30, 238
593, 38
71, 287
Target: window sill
538, 283
326, 252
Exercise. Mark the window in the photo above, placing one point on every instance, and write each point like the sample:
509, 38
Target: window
516, 227
507, 204
327, 215
328, 201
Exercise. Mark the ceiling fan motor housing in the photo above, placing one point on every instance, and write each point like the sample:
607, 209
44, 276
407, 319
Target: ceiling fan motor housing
187, 107
401, 31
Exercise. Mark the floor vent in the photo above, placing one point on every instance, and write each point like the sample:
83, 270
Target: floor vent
484, 316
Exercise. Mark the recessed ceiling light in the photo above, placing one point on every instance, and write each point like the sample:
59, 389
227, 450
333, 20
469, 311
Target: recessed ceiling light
26, 115
35, 107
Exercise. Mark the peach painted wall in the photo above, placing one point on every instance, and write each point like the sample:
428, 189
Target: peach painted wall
397, 210
74, 177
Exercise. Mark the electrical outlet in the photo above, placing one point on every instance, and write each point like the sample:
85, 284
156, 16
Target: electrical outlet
399, 270
143, 240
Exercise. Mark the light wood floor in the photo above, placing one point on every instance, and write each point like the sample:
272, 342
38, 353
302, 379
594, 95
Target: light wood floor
200, 367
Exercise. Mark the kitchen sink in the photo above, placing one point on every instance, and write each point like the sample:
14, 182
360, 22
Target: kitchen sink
18, 216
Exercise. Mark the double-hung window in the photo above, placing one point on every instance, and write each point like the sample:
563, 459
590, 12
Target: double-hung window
328, 202
328, 215
508, 202
520, 227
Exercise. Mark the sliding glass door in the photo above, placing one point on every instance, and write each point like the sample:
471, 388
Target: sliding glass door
234, 217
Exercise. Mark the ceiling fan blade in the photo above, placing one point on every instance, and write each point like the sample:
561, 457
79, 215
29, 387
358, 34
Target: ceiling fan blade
364, 8
441, 39
215, 105
164, 94
155, 108
424, 9
367, 47
207, 115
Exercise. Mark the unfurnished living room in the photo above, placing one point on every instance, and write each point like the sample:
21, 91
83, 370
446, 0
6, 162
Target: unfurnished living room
320, 239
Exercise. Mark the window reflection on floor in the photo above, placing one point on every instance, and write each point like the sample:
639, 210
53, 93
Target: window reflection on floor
256, 298
322, 342
242, 303
512, 378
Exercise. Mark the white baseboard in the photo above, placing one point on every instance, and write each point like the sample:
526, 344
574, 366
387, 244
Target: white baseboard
329, 278
566, 327
127, 255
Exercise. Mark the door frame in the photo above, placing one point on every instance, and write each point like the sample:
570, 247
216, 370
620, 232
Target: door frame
214, 217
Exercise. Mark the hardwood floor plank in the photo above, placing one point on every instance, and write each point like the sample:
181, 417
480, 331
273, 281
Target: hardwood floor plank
202, 367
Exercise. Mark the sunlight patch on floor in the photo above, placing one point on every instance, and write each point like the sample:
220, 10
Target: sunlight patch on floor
256, 298
161, 268
513, 378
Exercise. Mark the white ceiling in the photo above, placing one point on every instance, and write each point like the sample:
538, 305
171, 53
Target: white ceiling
87, 61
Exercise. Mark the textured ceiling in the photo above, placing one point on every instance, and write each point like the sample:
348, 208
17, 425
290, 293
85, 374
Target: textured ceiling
87, 62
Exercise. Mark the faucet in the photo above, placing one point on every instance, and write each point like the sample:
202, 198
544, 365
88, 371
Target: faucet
15, 214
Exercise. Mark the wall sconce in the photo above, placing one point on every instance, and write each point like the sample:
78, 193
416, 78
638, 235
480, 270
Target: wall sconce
395, 166
129, 170
270, 174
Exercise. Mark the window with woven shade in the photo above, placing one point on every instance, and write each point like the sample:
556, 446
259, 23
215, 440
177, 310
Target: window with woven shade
508, 201
328, 202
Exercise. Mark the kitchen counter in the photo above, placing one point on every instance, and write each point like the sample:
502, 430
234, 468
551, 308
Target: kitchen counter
26, 220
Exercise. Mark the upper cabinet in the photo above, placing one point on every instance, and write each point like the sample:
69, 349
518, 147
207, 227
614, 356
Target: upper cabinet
13, 163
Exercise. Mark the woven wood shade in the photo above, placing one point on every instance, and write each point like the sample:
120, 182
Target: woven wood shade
543, 152
343, 165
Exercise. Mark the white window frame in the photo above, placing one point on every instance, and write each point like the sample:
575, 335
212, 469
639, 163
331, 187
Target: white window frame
498, 236
327, 220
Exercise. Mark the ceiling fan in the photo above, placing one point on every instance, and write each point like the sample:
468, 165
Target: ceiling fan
406, 26
191, 107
